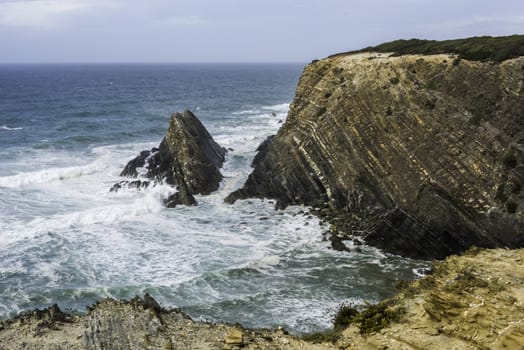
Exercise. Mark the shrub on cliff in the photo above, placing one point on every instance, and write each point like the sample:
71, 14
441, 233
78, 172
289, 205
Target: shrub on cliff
371, 318
482, 48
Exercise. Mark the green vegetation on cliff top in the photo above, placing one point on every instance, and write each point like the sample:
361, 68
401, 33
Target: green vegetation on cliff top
483, 48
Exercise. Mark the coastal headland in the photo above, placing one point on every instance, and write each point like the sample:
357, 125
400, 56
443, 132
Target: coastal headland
415, 147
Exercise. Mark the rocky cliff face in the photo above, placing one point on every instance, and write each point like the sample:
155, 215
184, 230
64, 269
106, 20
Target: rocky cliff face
187, 157
473, 301
420, 155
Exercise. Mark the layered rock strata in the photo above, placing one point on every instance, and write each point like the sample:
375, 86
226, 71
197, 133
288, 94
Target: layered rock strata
421, 156
475, 301
187, 157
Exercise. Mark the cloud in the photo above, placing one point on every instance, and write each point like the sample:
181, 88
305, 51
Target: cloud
179, 21
41, 14
510, 19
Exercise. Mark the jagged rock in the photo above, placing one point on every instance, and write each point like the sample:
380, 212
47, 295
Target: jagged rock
142, 160
187, 157
194, 157
140, 323
338, 244
418, 155
183, 196
469, 301
138, 184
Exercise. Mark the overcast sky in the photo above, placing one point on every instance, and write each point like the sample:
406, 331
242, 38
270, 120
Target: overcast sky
234, 30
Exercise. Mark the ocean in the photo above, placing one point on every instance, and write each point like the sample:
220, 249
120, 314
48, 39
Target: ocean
67, 131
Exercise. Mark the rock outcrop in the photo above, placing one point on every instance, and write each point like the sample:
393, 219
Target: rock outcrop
474, 301
136, 324
421, 156
187, 157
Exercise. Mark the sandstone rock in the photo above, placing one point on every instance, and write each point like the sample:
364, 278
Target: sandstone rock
440, 171
472, 301
234, 336
187, 157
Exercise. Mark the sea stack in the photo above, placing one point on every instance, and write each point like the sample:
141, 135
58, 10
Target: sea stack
421, 155
187, 157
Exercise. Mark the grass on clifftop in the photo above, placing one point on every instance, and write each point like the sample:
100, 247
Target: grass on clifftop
482, 48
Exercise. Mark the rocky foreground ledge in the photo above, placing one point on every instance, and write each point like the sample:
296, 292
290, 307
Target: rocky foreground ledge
474, 301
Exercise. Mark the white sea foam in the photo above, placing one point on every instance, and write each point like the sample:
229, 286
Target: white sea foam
246, 111
279, 108
105, 160
152, 202
69, 230
282, 107
265, 261
48, 175
5, 127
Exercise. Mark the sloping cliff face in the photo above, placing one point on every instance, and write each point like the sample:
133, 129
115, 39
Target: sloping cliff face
475, 301
420, 155
187, 157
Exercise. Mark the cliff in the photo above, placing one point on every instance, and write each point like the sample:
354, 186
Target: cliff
421, 155
475, 301
187, 157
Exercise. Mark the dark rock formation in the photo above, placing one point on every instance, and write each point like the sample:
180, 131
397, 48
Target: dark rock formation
187, 157
420, 155
140, 161
138, 184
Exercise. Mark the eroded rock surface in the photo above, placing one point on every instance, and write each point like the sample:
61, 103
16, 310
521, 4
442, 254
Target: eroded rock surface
421, 156
475, 301
187, 157
136, 324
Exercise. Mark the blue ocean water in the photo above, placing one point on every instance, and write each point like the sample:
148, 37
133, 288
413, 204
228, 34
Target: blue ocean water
66, 132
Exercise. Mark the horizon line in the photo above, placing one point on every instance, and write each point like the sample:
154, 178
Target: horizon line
150, 63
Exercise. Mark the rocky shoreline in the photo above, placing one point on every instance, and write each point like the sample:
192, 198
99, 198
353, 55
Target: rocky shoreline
421, 156
473, 301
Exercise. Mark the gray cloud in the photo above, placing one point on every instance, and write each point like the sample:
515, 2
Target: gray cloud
234, 30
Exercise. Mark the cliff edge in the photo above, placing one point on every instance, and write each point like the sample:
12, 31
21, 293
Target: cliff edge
421, 155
